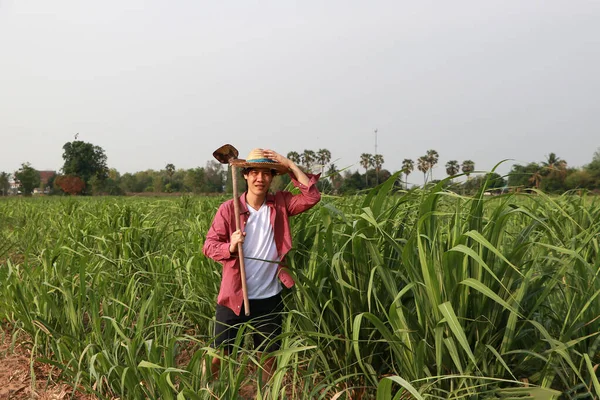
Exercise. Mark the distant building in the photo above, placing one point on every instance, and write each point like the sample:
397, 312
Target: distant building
45, 177
14, 185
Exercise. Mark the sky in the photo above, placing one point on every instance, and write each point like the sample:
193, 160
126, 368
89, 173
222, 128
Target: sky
157, 82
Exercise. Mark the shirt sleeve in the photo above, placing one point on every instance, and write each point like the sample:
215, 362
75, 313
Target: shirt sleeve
216, 245
308, 197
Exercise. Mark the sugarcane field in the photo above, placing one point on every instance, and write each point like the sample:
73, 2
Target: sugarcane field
420, 294
299, 200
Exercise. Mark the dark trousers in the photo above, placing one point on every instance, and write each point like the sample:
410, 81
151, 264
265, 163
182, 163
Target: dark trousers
264, 323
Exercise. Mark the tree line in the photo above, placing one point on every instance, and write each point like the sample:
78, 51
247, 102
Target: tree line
553, 175
85, 172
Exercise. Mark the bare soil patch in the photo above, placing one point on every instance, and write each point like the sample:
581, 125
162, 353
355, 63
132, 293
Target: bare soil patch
15, 372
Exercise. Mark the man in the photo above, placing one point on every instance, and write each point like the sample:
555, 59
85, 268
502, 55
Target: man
265, 235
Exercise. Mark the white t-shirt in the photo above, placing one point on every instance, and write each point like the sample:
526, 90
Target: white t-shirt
259, 244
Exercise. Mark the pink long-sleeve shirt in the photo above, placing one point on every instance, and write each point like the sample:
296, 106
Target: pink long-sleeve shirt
216, 246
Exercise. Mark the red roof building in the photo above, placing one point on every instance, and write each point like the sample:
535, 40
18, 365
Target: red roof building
45, 177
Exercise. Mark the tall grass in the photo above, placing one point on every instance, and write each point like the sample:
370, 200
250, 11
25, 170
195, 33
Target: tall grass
420, 294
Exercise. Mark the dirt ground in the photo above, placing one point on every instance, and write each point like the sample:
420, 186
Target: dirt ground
15, 373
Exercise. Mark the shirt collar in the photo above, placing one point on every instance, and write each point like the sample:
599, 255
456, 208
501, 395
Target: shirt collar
270, 201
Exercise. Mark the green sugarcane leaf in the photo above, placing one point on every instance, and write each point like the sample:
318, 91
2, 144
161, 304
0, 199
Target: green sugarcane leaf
384, 388
480, 287
450, 317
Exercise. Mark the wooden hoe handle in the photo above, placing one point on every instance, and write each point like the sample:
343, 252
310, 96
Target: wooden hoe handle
236, 208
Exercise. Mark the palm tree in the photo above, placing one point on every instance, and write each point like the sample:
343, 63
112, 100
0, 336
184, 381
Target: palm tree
408, 166
432, 158
552, 161
468, 166
553, 169
423, 166
366, 160
536, 179
378, 162
308, 156
294, 157
452, 167
323, 157
170, 168
334, 177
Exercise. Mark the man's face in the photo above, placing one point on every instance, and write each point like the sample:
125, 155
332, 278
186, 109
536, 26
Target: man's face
259, 181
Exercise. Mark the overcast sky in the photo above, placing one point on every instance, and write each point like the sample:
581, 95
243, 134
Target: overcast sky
157, 82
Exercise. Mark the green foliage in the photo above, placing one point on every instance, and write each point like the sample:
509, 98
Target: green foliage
308, 157
241, 182
209, 179
4, 183
423, 166
215, 177
353, 182
280, 182
85, 161
295, 157
491, 180
520, 176
432, 158
108, 186
579, 180
323, 158
170, 169
551, 176
593, 169
455, 290
51, 186
467, 167
452, 167
408, 167
594, 166
424, 294
335, 178
554, 182
193, 180
28, 178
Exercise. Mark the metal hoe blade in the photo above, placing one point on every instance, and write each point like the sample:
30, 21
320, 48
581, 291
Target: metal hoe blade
225, 154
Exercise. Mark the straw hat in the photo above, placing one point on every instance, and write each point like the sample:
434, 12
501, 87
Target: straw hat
257, 159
